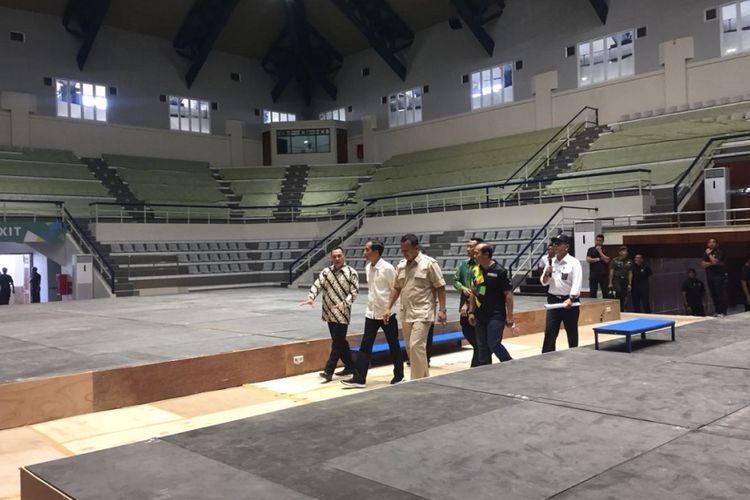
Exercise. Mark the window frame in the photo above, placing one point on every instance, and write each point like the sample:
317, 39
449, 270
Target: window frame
270, 116
740, 28
188, 122
493, 94
410, 101
600, 51
338, 114
96, 97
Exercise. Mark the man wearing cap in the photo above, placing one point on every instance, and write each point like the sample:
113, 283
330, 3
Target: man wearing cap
563, 274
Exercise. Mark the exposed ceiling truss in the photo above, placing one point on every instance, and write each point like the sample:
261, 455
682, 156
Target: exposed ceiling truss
83, 18
301, 54
385, 31
477, 13
601, 8
199, 31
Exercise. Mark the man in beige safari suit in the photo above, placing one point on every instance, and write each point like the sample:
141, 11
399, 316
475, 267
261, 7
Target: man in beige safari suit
419, 282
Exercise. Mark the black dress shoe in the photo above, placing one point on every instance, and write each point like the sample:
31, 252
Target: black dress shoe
326, 377
396, 380
344, 373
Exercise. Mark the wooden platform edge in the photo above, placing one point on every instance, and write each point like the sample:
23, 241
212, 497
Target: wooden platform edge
42, 400
35, 488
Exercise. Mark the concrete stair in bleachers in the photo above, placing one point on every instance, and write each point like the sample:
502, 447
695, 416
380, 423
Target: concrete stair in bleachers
292, 191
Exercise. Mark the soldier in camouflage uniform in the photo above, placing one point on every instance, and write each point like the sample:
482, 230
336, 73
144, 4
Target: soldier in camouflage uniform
621, 276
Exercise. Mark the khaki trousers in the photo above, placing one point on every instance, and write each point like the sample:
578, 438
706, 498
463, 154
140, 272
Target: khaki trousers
415, 338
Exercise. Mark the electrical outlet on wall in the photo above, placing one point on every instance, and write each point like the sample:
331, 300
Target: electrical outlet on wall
298, 360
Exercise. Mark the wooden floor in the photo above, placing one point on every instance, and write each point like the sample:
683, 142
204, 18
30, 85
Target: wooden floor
86, 433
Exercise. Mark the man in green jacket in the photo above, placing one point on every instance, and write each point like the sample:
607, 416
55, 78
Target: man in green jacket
621, 276
463, 282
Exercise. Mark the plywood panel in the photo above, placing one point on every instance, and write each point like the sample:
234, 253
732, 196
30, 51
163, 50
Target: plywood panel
32, 401
142, 384
33, 488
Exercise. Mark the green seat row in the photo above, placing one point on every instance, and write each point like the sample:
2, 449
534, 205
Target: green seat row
39, 155
15, 185
345, 170
147, 163
247, 173
33, 169
257, 187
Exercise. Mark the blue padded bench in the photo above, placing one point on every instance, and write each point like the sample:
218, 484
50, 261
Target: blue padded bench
632, 326
441, 338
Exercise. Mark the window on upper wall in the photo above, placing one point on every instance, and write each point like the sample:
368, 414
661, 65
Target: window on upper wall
405, 107
606, 58
86, 101
336, 114
492, 86
189, 115
278, 117
735, 27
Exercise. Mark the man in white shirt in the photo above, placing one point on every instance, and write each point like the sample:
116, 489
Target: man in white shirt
563, 274
381, 277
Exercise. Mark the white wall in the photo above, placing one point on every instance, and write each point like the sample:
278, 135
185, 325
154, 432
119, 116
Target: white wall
126, 233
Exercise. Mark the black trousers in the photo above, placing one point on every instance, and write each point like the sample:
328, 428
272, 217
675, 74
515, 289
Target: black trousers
35, 296
568, 317
4, 297
696, 309
339, 348
365, 348
641, 297
717, 285
600, 281
470, 334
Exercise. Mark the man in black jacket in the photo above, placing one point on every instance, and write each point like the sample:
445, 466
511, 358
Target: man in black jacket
716, 276
640, 292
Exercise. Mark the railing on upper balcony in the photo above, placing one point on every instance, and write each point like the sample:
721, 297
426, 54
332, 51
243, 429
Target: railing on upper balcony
164, 213
692, 175
588, 185
679, 220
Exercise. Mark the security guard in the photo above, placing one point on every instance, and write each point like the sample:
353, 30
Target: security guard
563, 275
621, 276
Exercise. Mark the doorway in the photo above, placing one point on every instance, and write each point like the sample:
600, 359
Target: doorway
19, 268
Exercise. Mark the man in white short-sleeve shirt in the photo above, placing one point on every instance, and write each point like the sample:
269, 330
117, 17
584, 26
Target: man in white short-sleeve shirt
563, 274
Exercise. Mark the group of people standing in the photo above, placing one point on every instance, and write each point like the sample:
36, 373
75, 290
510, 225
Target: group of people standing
628, 280
8, 287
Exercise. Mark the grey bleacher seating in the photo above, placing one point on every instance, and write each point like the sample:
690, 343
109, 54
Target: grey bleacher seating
139, 247
193, 269
215, 268
225, 268
223, 245
192, 257
265, 255
234, 256
234, 267
183, 258
127, 247
150, 247
162, 247
232, 245
116, 248
262, 245
273, 245
173, 247
203, 257
202, 246
283, 245
245, 267
268, 266
294, 245
212, 245
185, 247
286, 255
204, 268
278, 266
